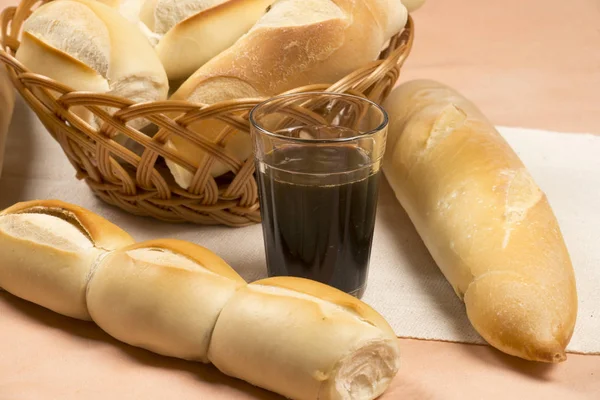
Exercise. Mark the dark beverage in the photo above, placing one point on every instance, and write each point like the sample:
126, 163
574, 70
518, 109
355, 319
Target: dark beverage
318, 206
318, 157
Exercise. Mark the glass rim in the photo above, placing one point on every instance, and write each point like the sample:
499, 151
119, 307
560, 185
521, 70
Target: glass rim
371, 132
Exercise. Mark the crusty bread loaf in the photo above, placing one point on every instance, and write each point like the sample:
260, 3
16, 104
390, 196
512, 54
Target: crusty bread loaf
487, 224
90, 47
299, 42
305, 340
188, 33
296, 43
48, 250
296, 337
163, 295
192, 32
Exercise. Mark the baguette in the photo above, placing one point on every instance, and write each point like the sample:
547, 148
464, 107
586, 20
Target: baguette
486, 223
88, 46
296, 43
305, 340
48, 251
163, 296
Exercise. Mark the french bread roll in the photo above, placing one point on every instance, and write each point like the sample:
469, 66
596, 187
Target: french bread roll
90, 47
186, 34
192, 32
48, 250
486, 223
164, 296
296, 43
304, 340
296, 337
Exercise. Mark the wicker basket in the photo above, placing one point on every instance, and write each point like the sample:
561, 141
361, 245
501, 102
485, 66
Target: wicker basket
141, 184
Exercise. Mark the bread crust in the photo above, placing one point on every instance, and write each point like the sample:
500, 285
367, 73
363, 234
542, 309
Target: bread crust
305, 341
48, 262
199, 254
198, 38
68, 40
330, 294
297, 337
486, 223
102, 232
162, 295
296, 43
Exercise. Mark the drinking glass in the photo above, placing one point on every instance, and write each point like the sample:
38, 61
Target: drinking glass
318, 159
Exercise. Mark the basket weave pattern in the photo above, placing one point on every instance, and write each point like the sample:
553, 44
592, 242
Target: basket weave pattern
139, 182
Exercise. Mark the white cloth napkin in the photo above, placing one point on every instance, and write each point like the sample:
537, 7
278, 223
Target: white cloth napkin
404, 283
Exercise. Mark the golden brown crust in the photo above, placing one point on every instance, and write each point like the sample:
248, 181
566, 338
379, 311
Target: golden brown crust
296, 43
330, 294
162, 295
486, 223
194, 252
504, 321
314, 43
275, 58
101, 232
304, 340
184, 47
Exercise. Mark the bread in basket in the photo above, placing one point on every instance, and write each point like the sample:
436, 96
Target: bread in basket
140, 178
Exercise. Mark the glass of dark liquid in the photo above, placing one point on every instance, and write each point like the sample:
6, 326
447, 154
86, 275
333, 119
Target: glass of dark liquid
318, 159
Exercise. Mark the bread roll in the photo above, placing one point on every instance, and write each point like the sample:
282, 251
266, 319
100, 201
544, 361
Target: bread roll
48, 250
186, 34
296, 337
90, 47
487, 224
192, 32
59, 66
296, 43
305, 340
163, 295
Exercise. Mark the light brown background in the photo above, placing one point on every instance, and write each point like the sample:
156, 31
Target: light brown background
531, 63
